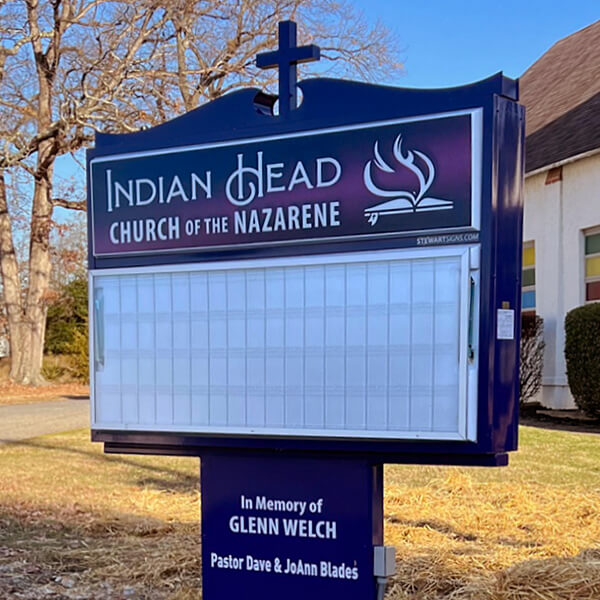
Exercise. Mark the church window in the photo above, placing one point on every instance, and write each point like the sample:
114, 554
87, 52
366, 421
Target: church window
528, 278
592, 265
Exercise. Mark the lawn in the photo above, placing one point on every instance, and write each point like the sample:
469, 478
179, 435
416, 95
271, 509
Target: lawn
75, 523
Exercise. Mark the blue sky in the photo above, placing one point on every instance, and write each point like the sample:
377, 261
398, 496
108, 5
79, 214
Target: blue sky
455, 42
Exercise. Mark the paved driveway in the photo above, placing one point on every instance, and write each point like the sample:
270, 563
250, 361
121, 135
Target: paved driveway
23, 421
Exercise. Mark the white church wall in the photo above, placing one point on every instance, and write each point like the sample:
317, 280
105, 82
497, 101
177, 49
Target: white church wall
556, 216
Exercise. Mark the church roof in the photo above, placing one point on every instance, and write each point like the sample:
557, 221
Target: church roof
561, 93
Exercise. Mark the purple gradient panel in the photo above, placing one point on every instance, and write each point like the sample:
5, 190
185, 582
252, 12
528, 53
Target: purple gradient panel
432, 163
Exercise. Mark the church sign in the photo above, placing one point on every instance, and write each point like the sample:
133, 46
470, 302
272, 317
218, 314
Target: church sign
360, 181
299, 298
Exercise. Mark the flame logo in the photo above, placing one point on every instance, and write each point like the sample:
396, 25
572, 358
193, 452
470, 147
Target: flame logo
402, 201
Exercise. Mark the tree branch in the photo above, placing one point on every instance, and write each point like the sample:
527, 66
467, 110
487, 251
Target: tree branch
70, 204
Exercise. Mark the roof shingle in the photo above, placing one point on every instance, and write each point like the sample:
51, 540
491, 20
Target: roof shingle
561, 94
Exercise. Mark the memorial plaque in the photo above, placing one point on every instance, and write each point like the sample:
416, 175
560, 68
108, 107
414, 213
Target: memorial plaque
267, 534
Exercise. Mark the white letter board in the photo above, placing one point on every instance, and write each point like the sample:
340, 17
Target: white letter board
372, 345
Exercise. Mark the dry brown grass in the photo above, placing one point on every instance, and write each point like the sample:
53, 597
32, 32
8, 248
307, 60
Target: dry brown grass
460, 538
13, 393
75, 523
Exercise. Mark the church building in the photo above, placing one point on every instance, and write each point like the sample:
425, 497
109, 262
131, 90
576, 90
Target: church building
561, 257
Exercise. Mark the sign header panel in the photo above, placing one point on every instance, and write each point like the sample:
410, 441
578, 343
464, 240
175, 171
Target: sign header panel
377, 179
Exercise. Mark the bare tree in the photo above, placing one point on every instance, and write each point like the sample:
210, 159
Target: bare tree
69, 68
68, 251
532, 357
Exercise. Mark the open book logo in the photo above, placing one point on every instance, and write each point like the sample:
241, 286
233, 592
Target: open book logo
402, 201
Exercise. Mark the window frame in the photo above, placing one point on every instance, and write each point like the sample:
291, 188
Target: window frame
593, 278
529, 244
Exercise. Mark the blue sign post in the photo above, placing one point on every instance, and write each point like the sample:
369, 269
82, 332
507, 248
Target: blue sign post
281, 527
300, 298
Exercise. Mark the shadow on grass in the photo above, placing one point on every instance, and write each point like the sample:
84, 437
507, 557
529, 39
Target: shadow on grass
183, 484
461, 536
558, 424
438, 526
180, 482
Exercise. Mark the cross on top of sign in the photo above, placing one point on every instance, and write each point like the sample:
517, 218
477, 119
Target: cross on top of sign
286, 57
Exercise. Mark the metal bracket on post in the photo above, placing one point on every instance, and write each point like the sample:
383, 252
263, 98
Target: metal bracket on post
384, 566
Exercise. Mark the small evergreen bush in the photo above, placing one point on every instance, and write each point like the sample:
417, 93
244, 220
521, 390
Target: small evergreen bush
532, 357
582, 354
69, 313
79, 361
67, 329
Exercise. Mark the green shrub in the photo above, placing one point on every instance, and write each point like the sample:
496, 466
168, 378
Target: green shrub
79, 362
66, 368
532, 357
68, 314
67, 331
53, 368
582, 353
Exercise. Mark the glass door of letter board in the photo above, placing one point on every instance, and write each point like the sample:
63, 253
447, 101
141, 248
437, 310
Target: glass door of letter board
374, 345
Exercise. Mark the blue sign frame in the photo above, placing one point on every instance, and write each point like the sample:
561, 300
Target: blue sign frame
330, 104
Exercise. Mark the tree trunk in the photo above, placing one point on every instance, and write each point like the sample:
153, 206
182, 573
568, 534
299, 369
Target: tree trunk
19, 344
26, 361
11, 286
36, 307
27, 320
